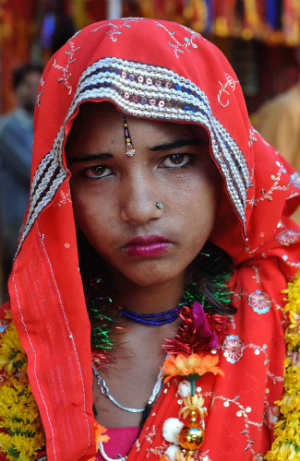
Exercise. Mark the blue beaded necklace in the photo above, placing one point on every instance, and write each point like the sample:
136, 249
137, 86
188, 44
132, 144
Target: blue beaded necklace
160, 318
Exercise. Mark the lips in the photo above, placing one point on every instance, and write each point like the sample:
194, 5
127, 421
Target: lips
147, 246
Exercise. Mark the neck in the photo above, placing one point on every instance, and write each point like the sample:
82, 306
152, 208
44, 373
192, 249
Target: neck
147, 299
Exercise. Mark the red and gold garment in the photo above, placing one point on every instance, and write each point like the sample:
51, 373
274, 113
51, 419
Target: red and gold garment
162, 71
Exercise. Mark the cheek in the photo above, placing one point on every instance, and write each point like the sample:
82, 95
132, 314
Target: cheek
93, 216
196, 201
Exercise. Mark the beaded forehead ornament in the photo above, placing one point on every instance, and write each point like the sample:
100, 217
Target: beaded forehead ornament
130, 151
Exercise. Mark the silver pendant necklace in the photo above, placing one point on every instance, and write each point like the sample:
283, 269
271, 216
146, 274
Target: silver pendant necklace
105, 391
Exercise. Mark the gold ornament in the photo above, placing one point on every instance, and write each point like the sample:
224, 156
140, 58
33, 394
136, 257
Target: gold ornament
191, 436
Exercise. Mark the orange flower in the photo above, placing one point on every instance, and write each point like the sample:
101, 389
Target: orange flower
98, 431
194, 364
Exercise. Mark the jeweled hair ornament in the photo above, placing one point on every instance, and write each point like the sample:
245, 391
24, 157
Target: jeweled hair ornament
130, 151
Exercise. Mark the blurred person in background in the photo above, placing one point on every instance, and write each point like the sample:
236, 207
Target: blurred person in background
278, 121
16, 137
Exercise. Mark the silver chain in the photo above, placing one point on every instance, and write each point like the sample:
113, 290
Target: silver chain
105, 391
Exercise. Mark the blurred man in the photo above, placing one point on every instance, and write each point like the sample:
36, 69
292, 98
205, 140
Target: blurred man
16, 136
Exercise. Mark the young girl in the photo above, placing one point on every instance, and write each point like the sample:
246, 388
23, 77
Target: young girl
147, 287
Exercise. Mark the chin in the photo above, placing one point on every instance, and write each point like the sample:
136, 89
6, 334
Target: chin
149, 278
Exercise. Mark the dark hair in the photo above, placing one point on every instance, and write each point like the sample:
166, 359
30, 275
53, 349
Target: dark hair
208, 274
21, 72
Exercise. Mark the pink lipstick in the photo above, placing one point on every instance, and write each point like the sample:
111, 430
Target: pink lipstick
147, 247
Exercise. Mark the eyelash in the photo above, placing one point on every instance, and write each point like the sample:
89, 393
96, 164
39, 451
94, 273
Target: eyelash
190, 161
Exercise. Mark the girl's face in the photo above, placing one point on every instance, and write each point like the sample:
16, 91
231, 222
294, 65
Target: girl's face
115, 196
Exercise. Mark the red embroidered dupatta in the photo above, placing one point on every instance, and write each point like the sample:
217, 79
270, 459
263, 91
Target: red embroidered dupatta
166, 72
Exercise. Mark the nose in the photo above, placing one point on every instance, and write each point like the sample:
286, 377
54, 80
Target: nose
139, 197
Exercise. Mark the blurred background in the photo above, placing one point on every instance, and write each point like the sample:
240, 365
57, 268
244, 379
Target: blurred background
261, 39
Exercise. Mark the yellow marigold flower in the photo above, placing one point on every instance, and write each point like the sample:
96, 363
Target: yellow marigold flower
290, 402
18, 410
12, 355
194, 403
194, 364
286, 446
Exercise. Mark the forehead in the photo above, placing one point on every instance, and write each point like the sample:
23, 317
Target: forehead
103, 122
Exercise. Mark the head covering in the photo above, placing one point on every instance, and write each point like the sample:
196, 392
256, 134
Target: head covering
162, 71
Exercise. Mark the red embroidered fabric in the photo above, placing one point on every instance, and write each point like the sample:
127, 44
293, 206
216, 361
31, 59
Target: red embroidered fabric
163, 71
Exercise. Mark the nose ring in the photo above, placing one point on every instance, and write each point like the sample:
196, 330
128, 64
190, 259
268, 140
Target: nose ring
159, 205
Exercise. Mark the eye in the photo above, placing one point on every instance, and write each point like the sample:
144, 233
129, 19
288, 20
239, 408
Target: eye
176, 161
97, 172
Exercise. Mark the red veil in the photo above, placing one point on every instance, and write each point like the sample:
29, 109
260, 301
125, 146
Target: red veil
162, 71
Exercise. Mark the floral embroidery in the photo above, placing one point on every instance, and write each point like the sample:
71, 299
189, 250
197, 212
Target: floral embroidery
252, 138
65, 198
230, 84
287, 237
267, 194
187, 43
114, 29
233, 348
66, 74
295, 180
260, 302
271, 415
40, 92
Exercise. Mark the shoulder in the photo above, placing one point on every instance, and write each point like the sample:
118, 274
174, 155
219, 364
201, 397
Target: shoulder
7, 119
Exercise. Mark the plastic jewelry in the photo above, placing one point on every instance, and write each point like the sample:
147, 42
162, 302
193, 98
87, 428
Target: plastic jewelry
130, 151
159, 205
159, 318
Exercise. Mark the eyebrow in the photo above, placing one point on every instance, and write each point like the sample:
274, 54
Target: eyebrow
161, 147
179, 143
89, 158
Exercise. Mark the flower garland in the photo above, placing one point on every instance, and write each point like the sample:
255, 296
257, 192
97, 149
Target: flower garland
22, 437
193, 355
286, 445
